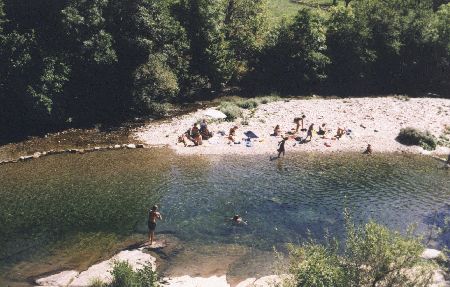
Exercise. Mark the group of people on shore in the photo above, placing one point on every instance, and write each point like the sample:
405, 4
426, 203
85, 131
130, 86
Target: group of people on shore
196, 134
294, 134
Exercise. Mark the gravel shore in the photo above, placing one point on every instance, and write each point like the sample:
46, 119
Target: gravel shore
375, 121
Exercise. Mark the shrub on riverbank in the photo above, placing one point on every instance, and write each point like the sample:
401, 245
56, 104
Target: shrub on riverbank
231, 110
372, 256
124, 276
412, 136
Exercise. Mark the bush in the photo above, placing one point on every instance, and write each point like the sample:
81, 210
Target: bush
372, 256
269, 99
231, 110
124, 276
247, 104
412, 136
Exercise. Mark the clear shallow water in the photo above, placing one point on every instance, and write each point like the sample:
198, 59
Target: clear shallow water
56, 198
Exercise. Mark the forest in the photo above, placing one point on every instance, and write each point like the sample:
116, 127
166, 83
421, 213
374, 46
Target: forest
71, 63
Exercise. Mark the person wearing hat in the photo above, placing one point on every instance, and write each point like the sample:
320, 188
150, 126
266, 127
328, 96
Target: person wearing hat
153, 215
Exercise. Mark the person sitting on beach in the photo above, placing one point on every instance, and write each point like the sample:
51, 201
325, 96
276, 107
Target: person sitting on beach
340, 132
281, 148
153, 215
322, 130
276, 131
204, 132
185, 137
196, 136
232, 135
310, 132
368, 150
237, 219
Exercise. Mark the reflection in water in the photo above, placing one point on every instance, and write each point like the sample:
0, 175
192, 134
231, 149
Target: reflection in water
53, 199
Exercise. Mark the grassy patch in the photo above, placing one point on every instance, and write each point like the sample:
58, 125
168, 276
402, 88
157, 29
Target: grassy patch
124, 276
412, 136
232, 105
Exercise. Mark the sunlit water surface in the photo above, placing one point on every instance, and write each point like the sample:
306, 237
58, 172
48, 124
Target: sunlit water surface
46, 203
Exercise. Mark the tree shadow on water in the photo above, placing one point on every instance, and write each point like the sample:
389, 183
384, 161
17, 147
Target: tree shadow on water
438, 222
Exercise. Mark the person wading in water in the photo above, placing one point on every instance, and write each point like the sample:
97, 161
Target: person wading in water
153, 215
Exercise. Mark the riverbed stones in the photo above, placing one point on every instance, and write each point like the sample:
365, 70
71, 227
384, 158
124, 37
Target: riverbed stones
37, 155
188, 281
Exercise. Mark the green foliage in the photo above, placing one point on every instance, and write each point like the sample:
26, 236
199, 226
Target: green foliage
372, 256
248, 104
316, 265
412, 136
84, 25
231, 110
154, 82
124, 276
295, 57
347, 46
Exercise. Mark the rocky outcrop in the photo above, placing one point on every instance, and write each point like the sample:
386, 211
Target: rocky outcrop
101, 271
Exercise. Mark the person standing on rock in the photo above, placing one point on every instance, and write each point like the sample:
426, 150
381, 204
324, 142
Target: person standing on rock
153, 215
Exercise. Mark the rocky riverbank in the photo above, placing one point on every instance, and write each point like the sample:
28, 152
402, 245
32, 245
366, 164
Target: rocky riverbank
138, 258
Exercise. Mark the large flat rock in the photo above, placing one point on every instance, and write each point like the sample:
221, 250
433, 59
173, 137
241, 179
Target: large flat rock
102, 271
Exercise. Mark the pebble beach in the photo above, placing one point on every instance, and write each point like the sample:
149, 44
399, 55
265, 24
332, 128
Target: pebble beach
375, 121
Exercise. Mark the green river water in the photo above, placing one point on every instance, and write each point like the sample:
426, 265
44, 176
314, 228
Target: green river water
68, 211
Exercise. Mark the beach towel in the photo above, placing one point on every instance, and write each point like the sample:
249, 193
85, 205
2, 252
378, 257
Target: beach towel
251, 135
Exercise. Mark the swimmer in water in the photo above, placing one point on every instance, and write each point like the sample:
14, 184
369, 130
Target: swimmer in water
237, 219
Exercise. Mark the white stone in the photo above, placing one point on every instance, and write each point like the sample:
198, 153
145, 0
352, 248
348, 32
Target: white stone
61, 279
430, 253
131, 146
266, 281
117, 146
188, 281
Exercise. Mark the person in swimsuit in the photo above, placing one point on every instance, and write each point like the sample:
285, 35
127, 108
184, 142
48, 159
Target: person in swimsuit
277, 131
281, 147
153, 215
195, 134
232, 135
368, 149
309, 134
237, 219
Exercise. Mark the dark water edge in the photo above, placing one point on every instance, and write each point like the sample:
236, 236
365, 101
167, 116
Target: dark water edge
69, 211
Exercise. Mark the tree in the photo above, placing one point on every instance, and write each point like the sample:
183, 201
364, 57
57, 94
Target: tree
295, 58
246, 24
209, 48
347, 46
